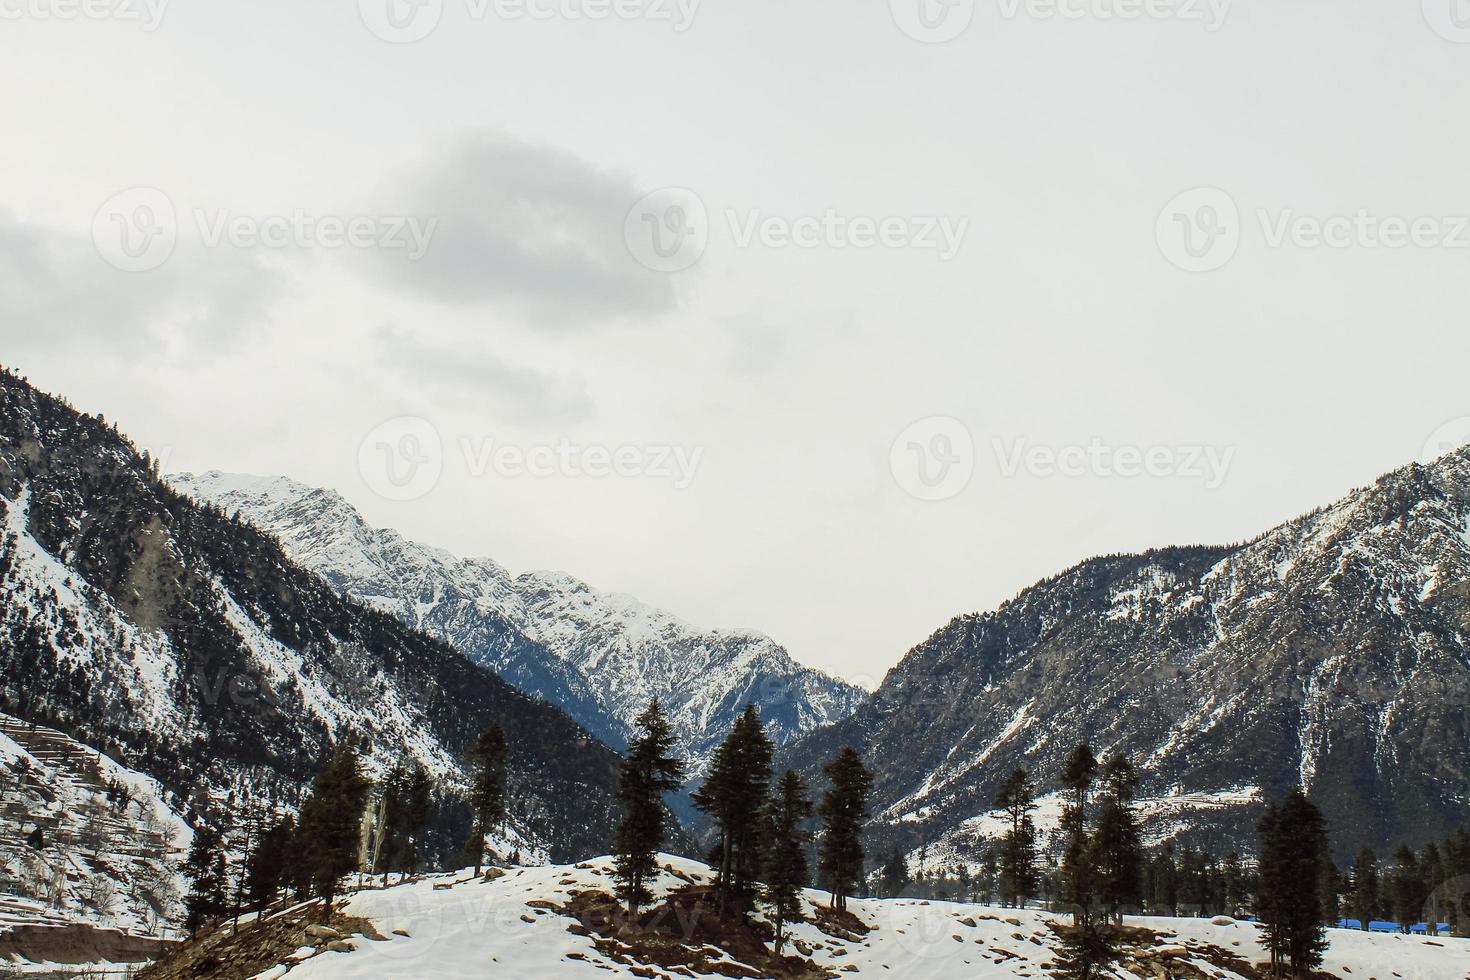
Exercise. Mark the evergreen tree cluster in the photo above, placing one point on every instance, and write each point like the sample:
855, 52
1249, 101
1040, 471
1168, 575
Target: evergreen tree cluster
761, 822
269, 851
1431, 885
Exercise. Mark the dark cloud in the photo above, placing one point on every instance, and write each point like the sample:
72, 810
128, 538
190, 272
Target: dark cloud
531, 229
57, 293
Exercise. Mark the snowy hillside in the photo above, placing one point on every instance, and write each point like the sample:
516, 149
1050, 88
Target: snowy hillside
186, 646
88, 851
553, 923
600, 656
1333, 651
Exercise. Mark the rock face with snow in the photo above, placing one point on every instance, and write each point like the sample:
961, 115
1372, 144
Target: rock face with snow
1330, 651
600, 656
187, 645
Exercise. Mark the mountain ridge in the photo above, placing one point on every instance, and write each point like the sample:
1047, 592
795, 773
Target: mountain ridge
187, 646
601, 655
1329, 650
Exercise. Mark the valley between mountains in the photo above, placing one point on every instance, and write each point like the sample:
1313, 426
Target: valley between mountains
178, 650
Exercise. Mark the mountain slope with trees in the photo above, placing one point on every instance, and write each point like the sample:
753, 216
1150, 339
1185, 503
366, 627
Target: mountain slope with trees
186, 645
1330, 652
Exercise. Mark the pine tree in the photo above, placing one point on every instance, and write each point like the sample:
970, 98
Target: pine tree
267, 869
989, 876
784, 867
1410, 891
1165, 876
1289, 895
331, 823
894, 877
1085, 949
647, 772
1117, 844
844, 812
206, 870
734, 795
487, 790
1016, 797
1232, 884
403, 809
1077, 873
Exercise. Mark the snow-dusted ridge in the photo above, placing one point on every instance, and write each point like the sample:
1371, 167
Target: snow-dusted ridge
599, 655
1332, 651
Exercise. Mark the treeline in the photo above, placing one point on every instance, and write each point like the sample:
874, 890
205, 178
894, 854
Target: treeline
1428, 886
762, 822
1097, 871
247, 866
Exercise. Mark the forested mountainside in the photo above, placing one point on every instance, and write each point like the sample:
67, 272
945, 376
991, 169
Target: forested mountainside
1330, 651
187, 646
600, 656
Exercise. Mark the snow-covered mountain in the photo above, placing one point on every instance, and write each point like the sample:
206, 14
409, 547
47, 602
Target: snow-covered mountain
600, 656
1330, 651
186, 646
560, 923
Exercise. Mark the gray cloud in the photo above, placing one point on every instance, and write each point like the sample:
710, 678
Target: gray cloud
56, 292
484, 379
532, 229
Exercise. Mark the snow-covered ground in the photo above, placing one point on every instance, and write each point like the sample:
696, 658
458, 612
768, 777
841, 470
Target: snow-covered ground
1162, 818
514, 927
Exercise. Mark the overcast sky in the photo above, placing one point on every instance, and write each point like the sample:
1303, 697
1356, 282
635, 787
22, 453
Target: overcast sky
831, 319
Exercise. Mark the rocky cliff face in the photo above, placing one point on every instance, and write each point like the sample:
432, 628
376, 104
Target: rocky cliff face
600, 656
1330, 651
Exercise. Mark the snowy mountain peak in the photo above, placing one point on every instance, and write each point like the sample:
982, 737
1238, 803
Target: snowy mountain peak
600, 655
